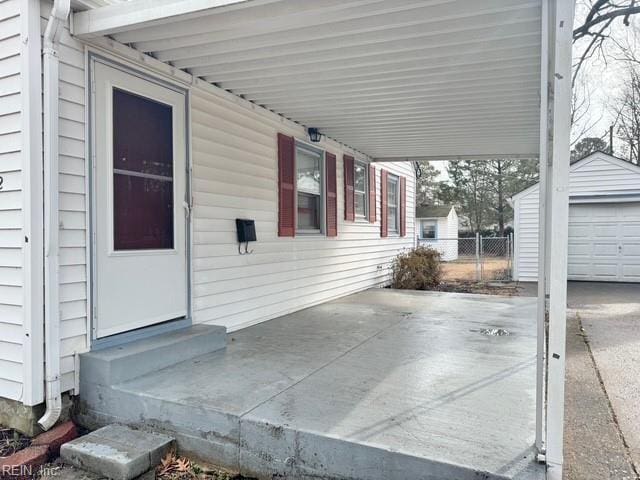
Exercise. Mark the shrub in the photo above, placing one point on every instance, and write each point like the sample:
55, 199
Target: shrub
417, 269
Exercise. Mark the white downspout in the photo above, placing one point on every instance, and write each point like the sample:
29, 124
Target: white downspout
55, 27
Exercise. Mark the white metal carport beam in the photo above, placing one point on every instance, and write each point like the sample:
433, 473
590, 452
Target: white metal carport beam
136, 14
453, 158
558, 202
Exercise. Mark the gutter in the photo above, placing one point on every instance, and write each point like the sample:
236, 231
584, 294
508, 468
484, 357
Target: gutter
55, 27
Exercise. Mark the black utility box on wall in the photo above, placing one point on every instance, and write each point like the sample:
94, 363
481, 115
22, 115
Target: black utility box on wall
246, 230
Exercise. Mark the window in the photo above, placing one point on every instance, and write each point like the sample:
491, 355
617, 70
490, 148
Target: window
428, 229
393, 204
310, 187
360, 189
142, 173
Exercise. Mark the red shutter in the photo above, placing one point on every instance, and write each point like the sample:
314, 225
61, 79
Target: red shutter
332, 195
403, 207
383, 203
349, 199
372, 194
286, 186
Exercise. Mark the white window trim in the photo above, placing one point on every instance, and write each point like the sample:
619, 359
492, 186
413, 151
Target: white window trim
434, 221
322, 231
395, 230
365, 166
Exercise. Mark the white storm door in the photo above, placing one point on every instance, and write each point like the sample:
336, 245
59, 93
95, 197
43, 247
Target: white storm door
139, 215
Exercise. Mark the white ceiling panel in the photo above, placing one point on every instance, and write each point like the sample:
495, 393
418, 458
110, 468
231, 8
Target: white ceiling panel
391, 78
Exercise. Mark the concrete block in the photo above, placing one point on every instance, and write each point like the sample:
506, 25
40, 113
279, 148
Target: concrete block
131, 360
117, 452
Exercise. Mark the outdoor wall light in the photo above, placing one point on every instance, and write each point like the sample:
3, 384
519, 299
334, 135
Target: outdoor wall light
314, 135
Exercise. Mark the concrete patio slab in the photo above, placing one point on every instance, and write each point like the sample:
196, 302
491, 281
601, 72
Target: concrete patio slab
378, 385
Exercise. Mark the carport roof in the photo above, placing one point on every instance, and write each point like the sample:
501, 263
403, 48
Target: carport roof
391, 78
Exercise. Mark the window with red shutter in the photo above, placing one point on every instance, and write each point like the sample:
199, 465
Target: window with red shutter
349, 207
332, 196
286, 186
372, 193
403, 207
383, 203
310, 189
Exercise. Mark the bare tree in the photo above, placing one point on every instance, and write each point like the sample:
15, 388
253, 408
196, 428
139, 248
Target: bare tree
582, 115
626, 104
594, 29
627, 110
426, 180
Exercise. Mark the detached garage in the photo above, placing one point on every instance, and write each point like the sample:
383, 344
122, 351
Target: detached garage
604, 223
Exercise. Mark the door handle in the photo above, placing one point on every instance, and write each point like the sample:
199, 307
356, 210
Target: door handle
187, 208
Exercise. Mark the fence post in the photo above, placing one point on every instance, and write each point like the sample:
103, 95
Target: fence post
478, 272
512, 252
481, 258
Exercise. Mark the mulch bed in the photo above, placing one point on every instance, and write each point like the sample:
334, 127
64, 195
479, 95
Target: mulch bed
12, 441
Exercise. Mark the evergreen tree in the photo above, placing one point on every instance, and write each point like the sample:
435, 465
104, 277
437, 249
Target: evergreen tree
587, 146
480, 190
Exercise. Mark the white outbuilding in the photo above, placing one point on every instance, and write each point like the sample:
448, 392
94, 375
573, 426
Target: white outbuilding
604, 222
437, 227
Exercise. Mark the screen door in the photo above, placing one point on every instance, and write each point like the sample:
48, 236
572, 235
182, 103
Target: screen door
140, 218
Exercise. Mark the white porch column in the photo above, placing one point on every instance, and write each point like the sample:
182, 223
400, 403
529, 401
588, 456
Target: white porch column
557, 198
542, 215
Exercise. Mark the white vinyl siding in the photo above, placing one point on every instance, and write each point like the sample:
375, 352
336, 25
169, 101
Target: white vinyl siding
235, 176
11, 201
599, 175
452, 226
234, 155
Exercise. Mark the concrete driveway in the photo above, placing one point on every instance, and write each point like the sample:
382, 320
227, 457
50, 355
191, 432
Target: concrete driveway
603, 381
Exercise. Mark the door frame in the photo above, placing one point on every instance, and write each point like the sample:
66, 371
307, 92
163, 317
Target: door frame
92, 58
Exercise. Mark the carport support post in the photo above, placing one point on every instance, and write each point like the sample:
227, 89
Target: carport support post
557, 196
543, 233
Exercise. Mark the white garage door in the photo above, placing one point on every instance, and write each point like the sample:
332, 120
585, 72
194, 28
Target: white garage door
604, 242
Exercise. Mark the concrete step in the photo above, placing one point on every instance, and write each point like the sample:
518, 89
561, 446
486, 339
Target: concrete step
118, 364
117, 452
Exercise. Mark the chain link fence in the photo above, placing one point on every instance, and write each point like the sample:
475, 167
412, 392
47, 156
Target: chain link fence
476, 258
